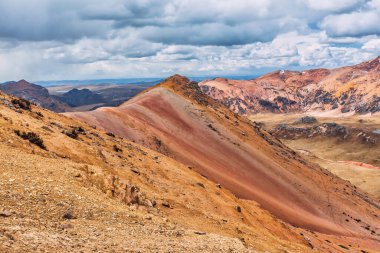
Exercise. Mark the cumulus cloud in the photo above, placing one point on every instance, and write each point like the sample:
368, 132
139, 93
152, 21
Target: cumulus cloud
352, 24
41, 20
334, 6
54, 39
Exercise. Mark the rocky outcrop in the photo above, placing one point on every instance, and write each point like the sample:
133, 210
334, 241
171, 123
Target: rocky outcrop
348, 89
306, 120
285, 131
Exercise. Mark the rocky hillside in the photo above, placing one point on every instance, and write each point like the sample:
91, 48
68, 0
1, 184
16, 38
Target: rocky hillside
178, 120
348, 89
35, 94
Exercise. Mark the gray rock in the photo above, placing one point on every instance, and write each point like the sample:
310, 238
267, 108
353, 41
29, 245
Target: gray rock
306, 120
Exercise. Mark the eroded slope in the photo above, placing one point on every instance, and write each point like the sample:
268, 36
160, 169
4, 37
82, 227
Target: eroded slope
176, 119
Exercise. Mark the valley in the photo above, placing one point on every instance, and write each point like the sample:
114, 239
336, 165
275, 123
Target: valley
354, 159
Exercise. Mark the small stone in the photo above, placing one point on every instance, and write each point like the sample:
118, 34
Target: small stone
238, 208
201, 185
166, 204
135, 170
10, 237
199, 232
148, 203
5, 213
67, 226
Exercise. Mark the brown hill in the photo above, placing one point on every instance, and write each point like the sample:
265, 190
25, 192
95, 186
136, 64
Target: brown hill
348, 89
34, 93
178, 120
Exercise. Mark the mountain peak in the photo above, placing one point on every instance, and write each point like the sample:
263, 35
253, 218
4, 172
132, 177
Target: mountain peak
176, 82
178, 79
187, 88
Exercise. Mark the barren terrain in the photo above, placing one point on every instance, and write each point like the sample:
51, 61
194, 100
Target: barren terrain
176, 119
352, 159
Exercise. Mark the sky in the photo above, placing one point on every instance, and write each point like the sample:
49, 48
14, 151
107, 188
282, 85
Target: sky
90, 39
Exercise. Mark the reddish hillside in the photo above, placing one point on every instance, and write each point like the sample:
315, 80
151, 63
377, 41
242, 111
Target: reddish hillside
178, 120
355, 88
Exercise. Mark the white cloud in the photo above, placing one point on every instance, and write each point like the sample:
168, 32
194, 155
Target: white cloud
120, 38
331, 5
352, 24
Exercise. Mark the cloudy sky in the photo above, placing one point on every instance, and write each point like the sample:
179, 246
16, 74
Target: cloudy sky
89, 39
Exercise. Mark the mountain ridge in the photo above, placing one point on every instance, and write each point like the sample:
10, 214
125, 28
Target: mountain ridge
178, 120
351, 89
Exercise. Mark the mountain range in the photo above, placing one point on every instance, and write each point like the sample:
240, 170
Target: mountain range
76, 98
35, 94
354, 89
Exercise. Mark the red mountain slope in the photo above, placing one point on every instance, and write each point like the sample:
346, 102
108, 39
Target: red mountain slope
176, 119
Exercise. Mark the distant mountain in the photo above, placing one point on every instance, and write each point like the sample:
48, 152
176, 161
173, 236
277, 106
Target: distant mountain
347, 89
100, 81
34, 93
76, 97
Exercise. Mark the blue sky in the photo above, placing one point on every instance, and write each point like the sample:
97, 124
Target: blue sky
90, 39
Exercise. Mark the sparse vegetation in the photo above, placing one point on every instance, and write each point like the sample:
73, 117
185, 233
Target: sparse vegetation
157, 141
212, 127
68, 216
39, 114
117, 149
75, 131
72, 134
110, 134
22, 104
32, 138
